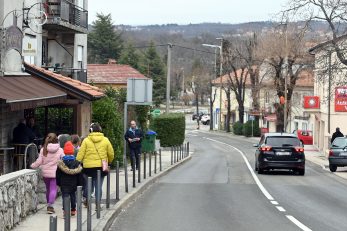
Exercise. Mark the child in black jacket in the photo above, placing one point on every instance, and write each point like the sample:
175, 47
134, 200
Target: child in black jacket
69, 176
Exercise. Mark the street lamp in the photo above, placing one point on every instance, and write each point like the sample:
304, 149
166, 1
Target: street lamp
220, 75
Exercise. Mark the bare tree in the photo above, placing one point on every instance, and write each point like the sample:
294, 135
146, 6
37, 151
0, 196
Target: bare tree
287, 57
331, 11
237, 74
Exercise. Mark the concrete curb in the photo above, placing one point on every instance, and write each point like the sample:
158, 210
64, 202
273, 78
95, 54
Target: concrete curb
106, 220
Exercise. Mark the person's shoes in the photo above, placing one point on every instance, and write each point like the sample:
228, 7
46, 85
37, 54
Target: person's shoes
73, 212
50, 210
85, 202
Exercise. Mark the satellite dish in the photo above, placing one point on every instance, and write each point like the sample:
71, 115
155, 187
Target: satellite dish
35, 17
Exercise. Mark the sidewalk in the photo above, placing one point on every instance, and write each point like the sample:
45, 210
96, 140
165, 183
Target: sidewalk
40, 220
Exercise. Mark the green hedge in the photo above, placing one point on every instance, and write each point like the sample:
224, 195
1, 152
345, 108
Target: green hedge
238, 128
170, 129
247, 128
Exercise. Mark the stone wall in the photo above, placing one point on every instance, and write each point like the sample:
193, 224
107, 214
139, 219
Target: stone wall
18, 197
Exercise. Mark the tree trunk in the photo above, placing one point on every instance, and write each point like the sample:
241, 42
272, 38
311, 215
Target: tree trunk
227, 121
241, 112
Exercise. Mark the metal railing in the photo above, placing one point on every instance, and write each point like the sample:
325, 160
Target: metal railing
75, 73
177, 153
66, 11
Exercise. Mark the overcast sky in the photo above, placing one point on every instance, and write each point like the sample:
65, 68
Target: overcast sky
144, 12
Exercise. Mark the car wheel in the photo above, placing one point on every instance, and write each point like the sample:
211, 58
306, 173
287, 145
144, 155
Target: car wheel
301, 172
260, 170
332, 168
207, 122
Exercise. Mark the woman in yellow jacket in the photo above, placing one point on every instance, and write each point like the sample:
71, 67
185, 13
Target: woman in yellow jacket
95, 148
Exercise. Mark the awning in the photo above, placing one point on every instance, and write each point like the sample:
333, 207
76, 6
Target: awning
23, 92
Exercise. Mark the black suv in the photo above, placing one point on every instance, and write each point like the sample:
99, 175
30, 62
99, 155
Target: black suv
280, 151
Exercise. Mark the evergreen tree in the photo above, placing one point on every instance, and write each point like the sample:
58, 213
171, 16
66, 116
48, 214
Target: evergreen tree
130, 57
154, 69
103, 41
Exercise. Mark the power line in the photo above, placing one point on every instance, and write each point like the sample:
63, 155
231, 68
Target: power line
175, 45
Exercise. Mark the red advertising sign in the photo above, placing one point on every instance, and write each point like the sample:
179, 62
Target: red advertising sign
341, 99
311, 102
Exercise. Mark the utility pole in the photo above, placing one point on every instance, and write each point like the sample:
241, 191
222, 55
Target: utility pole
221, 83
168, 79
285, 84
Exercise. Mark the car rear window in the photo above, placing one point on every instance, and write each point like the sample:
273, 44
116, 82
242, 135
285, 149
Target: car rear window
338, 142
281, 141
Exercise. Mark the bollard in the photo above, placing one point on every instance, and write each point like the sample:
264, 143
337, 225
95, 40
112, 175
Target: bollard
155, 162
53, 223
67, 213
150, 164
160, 169
171, 155
181, 151
188, 148
139, 170
184, 150
89, 202
177, 154
98, 194
144, 165
108, 190
79, 208
134, 175
117, 180
174, 149
126, 174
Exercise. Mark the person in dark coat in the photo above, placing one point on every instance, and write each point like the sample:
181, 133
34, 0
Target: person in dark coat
69, 175
22, 134
336, 134
134, 137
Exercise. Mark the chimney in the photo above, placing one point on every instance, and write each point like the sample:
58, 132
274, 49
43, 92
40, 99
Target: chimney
112, 61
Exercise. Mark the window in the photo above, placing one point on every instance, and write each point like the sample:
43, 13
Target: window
80, 56
281, 141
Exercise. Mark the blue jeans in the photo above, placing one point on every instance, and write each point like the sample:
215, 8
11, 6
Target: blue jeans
94, 188
135, 154
72, 199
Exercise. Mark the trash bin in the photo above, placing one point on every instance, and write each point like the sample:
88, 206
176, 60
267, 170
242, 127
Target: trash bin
148, 142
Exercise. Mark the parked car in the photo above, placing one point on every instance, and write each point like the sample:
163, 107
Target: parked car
279, 151
338, 153
205, 119
305, 136
197, 116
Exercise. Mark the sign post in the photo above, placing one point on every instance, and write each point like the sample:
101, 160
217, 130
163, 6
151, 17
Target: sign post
139, 92
251, 117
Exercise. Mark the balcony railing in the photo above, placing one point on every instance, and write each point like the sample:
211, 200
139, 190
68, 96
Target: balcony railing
66, 12
74, 73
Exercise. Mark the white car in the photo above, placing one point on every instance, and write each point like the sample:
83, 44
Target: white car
205, 119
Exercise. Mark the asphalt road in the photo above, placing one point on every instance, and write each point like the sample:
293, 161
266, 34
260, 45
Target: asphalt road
216, 190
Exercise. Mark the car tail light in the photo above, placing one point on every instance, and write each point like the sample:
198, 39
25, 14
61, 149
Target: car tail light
299, 149
265, 148
331, 153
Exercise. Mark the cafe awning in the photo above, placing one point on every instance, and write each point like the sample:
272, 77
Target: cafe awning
23, 92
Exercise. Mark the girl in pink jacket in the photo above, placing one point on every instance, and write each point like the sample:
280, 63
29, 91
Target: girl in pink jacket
49, 156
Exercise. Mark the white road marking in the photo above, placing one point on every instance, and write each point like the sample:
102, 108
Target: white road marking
262, 188
255, 177
298, 223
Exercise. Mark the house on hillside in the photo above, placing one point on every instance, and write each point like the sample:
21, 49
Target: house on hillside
112, 74
298, 119
330, 88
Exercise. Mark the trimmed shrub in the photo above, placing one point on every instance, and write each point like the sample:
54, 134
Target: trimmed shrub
247, 128
106, 114
170, 129
238, 128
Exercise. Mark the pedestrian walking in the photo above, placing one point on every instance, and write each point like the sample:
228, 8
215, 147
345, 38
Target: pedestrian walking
134, 137
96, 153
69, 176
336, 134
48, 159
76, 142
